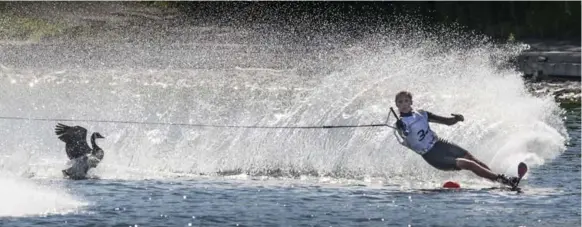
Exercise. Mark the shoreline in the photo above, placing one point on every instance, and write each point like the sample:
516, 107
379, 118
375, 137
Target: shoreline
551, 60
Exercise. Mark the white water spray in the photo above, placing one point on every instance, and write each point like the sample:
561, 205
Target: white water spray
22, 197
341, 85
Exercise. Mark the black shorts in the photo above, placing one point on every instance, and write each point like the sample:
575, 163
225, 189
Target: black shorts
443, 155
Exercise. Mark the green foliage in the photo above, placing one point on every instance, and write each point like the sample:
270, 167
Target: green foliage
513, 19
507, 21
12, 26
500, 20
511, 38
161, 4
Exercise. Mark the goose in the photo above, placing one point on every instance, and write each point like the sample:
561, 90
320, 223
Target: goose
78, 150
74, 138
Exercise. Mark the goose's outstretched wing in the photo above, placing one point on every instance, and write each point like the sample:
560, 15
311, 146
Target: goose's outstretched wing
75, 139
70, 134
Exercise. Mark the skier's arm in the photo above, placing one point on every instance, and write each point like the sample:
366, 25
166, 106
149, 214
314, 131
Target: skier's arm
444, 120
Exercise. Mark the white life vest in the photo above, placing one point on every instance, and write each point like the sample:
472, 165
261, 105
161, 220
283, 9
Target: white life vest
418, 136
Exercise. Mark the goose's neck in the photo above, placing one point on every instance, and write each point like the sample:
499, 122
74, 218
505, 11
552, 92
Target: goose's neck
93, 144
97, 151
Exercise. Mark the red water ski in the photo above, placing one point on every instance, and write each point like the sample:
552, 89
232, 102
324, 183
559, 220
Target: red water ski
451, 184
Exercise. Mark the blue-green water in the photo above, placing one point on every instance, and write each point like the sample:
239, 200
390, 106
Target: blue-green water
551, 198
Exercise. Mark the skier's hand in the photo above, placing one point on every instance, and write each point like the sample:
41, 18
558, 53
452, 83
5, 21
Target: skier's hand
458, 117
400, 125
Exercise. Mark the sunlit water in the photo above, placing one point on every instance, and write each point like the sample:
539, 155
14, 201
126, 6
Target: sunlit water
180, 175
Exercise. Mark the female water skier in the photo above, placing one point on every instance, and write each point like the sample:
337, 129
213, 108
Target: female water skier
414, 129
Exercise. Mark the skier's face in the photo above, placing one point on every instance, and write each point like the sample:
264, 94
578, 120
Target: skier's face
404, 103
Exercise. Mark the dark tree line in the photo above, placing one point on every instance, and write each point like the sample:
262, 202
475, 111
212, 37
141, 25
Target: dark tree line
522, 19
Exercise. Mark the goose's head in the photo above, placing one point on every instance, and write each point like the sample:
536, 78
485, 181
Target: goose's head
98, 135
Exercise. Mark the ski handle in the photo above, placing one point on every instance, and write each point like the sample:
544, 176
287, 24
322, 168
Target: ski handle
396, 134
394, 113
